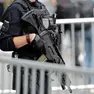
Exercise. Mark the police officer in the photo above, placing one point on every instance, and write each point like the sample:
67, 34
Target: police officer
20, 36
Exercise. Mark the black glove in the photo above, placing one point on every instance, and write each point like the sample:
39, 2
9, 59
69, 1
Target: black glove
38, 44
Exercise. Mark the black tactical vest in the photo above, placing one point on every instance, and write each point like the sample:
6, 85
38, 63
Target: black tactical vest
24, 7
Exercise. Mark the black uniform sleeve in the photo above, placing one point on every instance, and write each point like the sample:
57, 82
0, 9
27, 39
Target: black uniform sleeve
13, 15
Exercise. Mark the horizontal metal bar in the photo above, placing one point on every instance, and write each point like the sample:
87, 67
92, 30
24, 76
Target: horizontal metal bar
74, 20
46, 66
73, 87
7, 91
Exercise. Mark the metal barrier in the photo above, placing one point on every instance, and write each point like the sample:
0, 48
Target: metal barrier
80, 45
77, 38
53, 81
78, 76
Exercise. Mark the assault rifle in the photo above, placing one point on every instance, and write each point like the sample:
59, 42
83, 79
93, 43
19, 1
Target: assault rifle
48, 35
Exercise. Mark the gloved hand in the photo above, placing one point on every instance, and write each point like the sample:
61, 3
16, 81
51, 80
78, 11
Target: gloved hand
37, 43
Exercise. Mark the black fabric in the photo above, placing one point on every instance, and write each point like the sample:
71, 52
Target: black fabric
13, 14
8, 44
1, 10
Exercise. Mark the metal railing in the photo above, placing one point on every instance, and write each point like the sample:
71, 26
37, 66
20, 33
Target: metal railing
54, 85
73, 34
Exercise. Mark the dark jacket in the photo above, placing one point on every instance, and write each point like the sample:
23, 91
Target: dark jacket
13, 14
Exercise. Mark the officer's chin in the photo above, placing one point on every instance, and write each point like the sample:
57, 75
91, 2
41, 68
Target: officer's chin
32, 1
